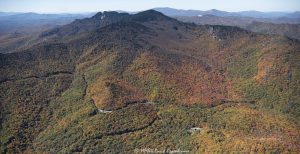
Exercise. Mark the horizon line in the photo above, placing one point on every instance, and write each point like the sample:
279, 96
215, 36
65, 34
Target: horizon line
131, 11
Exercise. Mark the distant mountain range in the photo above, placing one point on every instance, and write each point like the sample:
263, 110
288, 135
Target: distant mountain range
20, 30
23, 22
282, 26
282, 23
253, 14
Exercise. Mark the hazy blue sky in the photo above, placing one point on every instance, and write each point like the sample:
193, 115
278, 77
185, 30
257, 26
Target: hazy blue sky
137, 5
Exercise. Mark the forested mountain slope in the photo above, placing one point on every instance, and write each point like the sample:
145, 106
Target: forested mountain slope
145, 81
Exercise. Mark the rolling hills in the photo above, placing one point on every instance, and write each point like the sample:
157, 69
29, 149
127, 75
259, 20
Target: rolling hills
119, 83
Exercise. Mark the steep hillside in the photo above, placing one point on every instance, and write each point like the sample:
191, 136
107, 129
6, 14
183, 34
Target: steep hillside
86, 25
124, 83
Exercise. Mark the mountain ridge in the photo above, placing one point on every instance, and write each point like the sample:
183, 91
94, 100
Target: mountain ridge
17, 34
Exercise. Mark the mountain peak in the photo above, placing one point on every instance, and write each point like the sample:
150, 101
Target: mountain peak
109, 14
149, 15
